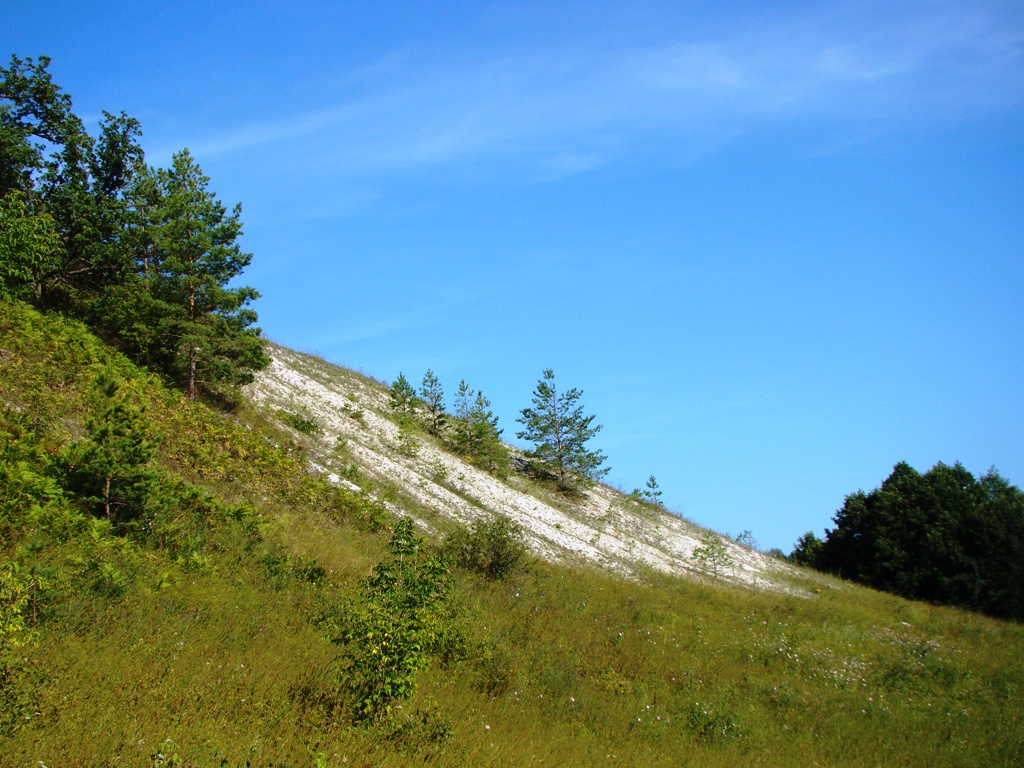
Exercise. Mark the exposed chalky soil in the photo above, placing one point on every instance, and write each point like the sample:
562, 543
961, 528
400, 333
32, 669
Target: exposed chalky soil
603, 527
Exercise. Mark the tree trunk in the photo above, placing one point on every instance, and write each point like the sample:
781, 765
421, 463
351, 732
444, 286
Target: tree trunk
192, 373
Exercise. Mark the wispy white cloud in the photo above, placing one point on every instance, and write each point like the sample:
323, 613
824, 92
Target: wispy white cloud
566, 110
438, 300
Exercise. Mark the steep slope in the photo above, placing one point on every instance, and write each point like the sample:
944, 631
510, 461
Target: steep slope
207, 634
605, 527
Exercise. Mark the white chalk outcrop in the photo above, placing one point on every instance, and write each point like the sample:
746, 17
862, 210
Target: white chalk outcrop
605, 528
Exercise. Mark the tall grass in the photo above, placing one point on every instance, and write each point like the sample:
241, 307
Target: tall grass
219, 658
556, 668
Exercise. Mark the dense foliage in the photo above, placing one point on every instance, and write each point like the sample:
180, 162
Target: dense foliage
143, 255
389, 632
492, 548
944, 536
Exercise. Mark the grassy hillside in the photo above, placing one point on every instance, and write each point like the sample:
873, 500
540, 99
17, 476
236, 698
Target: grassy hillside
199, 632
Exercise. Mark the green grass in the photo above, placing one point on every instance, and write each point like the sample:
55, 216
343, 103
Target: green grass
210, 651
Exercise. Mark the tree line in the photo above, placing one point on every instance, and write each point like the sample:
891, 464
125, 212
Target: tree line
944, 536
143, 255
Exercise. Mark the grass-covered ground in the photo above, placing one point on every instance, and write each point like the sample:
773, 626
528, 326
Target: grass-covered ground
198, 632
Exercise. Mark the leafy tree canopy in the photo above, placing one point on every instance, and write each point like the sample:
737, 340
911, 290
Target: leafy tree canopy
78, 181
145, 256
944, 536
29, 248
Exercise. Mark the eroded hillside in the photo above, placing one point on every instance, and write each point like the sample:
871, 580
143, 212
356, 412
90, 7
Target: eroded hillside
604, 527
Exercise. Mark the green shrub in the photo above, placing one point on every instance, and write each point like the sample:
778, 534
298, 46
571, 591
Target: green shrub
305, 425
493, 548
14, 599
419, 730
712, 555
388, 632
365, 513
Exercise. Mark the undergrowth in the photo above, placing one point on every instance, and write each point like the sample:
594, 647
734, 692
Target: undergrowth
198, 630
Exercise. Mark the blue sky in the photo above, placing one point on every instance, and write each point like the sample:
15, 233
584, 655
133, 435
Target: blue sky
779, 246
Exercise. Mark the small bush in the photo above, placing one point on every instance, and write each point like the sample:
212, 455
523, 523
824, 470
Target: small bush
495, 669
354, 412
387, 633
365, 513
712, 556
408, 445
418, 731
307, 426
20, 683
493, 548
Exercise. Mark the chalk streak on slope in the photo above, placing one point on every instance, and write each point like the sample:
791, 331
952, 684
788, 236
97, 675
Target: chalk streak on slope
606, 528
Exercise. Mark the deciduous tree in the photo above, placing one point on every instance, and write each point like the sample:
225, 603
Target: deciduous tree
943, 536
78, 181
389, 633
29, 248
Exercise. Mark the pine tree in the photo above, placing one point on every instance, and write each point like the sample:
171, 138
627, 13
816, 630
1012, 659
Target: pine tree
433, 400
475, 432
110, 464
463, 401
486, 449
560, 431
651, 494
144, 256
712, 555
196, 255
461, 438
403, 396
